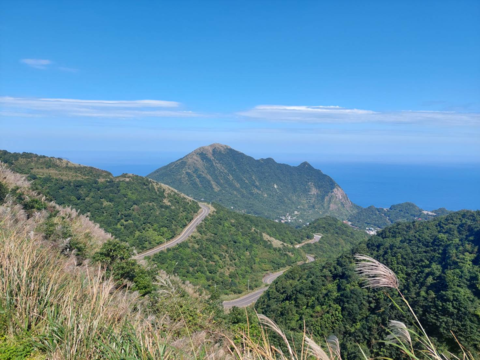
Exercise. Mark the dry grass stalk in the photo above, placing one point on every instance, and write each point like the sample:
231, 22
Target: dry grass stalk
375, 274
334, 347
399, 332
12, 179
269, 323
315, 350
74, 312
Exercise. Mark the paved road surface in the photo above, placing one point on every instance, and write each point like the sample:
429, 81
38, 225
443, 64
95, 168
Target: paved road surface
316, 238
270, 278
252, 297
205, 210
245, 300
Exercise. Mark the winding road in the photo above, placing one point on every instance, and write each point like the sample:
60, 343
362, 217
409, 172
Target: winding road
205, 210
270, 278
316, 238
252, 297
245, 300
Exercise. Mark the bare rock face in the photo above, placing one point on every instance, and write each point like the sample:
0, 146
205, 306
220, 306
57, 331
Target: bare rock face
263, 187
337, 199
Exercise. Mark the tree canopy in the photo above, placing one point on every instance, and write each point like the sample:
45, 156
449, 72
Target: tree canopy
437, 263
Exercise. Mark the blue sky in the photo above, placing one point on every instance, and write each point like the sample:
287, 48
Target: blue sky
322, 81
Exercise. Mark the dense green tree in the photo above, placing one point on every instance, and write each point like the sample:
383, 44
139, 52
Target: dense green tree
437, 263
113, 251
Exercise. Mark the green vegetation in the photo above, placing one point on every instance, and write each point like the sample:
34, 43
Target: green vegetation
57, 302
218, 173
437, 263
229, 252
337, 238
232, 252
261, 338
55, 305
132, 208
382, 217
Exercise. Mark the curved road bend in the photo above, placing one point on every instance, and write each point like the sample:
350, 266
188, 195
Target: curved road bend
252, 297
246, 300
205, 210
270, 278
316, 238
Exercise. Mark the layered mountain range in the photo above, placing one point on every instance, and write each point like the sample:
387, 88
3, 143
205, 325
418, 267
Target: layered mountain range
293, 194
229, 252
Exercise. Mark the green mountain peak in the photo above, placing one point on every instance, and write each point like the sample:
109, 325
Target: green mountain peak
218, 173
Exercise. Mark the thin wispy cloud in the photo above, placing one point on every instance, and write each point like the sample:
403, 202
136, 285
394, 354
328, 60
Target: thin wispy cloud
41, 64
67, 69
44, 64
92, 108
339, 115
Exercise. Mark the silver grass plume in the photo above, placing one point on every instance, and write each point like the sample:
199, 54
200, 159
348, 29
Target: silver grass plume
399, 332
268, 322
334, 346
374, 273
315, 350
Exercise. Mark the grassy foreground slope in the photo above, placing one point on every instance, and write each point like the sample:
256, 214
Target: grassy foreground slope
437, 263
134, 209
55, 303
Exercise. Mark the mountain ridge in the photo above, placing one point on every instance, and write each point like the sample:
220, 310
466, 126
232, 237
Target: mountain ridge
263, 187
143, 214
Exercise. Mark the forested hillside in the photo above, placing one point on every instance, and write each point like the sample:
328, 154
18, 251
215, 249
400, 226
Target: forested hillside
229, 253
232, 251
136, 210
437, 263
337, 238
69, 291
382, 217
218, 173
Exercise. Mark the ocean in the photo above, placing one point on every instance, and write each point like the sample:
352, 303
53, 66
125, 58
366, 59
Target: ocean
454, 187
